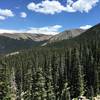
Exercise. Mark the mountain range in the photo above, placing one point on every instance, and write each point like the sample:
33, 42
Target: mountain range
66, 35
26, 36
45, 67
18, 41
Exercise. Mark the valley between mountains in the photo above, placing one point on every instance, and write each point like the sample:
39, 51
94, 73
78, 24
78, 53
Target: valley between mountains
65, 66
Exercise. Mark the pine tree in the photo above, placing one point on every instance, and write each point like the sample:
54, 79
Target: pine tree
49, 79
65, 95
4, 82
39, 91
91, 93
55, 74
96, 83
13, 85
77, 86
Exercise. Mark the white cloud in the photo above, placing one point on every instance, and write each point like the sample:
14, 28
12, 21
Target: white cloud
45, 30
10, 31
49, 30
84, 5
69, 9
52, 7
23, 14
85, 27
69, 2
4, 13
46, 7
2, 18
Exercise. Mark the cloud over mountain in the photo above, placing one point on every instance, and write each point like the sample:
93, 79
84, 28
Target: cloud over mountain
48, 30
85, 27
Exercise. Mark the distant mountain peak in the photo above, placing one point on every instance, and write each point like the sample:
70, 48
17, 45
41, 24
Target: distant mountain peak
79, 37
67, 34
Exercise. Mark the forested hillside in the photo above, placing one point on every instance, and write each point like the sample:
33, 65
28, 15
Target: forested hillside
51, 74
8, 45
91, 35
46, 73
49, 49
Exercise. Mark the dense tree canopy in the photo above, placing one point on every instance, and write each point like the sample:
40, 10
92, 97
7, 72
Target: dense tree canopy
51, 74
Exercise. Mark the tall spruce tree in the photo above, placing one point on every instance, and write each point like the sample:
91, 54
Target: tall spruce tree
49, 79
65, 95
77, 86
39, 91
4, 82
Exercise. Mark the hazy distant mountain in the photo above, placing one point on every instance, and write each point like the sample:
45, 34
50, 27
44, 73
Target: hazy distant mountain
92, 34
34, 37
66, 35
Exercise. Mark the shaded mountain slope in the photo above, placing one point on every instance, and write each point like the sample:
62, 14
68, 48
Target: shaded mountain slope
14, 42
92, 34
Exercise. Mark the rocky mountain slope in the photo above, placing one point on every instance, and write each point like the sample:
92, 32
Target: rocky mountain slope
34, 37
66, 35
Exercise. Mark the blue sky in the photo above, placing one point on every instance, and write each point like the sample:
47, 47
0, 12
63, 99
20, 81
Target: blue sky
47, 16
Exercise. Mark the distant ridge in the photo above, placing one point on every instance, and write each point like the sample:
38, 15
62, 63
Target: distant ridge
18, 41
70, 38
34, 37
66, 35
87, 36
